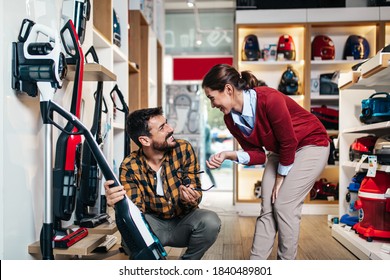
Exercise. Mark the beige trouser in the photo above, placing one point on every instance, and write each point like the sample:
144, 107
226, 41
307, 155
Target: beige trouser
284, 216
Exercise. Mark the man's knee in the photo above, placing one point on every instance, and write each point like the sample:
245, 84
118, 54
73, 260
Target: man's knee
211, 222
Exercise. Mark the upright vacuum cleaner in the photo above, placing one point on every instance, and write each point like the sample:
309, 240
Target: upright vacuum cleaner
40, 65
88, 194
68, 148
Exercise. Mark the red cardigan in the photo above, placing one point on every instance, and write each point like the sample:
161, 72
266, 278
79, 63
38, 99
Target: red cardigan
281, 126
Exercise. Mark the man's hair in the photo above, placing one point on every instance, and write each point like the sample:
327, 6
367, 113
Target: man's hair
137, 123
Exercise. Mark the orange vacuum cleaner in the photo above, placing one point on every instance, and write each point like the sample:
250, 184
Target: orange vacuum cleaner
374, 207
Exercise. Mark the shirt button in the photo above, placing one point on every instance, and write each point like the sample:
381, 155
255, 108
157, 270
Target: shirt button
169, 202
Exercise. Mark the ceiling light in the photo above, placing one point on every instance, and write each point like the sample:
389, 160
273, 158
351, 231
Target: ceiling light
198, 39
190, 3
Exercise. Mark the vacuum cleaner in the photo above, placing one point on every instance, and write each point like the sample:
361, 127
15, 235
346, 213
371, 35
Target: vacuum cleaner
68, 147
374, 207
88, 194
40, 65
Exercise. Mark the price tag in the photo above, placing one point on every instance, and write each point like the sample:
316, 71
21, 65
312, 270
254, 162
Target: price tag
372, 166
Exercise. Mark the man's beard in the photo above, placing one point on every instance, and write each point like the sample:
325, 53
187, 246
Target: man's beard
164, 146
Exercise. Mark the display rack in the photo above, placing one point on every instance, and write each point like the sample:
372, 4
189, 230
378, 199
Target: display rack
372, 76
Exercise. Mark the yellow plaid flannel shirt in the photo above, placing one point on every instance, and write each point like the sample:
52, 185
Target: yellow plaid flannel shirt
140, 181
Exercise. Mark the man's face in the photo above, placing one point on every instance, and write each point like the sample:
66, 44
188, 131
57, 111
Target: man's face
161, 134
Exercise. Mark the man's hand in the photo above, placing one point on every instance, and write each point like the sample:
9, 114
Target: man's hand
114, 194
278, 183
189, 195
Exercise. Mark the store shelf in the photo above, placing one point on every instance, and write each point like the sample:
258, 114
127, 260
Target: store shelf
324, 97
92, 72
361, 248
105, 228
378, 66
357, 166
133, 67
119, 56
372, 73
99, 40
270, 63
348, 79
375, 128
333, 62
120, 126
82, 248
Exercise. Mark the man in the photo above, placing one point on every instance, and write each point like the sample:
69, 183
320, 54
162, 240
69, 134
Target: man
162, 179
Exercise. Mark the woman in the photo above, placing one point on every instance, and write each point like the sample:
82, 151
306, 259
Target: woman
272, 127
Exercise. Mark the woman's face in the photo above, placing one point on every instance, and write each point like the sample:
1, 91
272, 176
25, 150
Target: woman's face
220, 99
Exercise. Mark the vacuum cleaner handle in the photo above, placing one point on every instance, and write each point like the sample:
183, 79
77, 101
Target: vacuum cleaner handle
91, 51
125, 110
25, 30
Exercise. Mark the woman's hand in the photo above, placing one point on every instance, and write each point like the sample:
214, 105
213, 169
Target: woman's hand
216, 160
114, 194
278, 183
188, 194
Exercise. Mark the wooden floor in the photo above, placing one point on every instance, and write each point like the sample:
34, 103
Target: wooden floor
235, 240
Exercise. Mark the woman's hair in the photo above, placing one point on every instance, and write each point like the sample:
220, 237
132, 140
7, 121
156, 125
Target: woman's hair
221, 74
137, 123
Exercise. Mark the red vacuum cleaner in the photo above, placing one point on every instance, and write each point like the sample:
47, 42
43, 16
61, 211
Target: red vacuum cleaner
68, 148
374, 207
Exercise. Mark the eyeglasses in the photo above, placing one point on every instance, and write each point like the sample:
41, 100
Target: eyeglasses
185, 181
